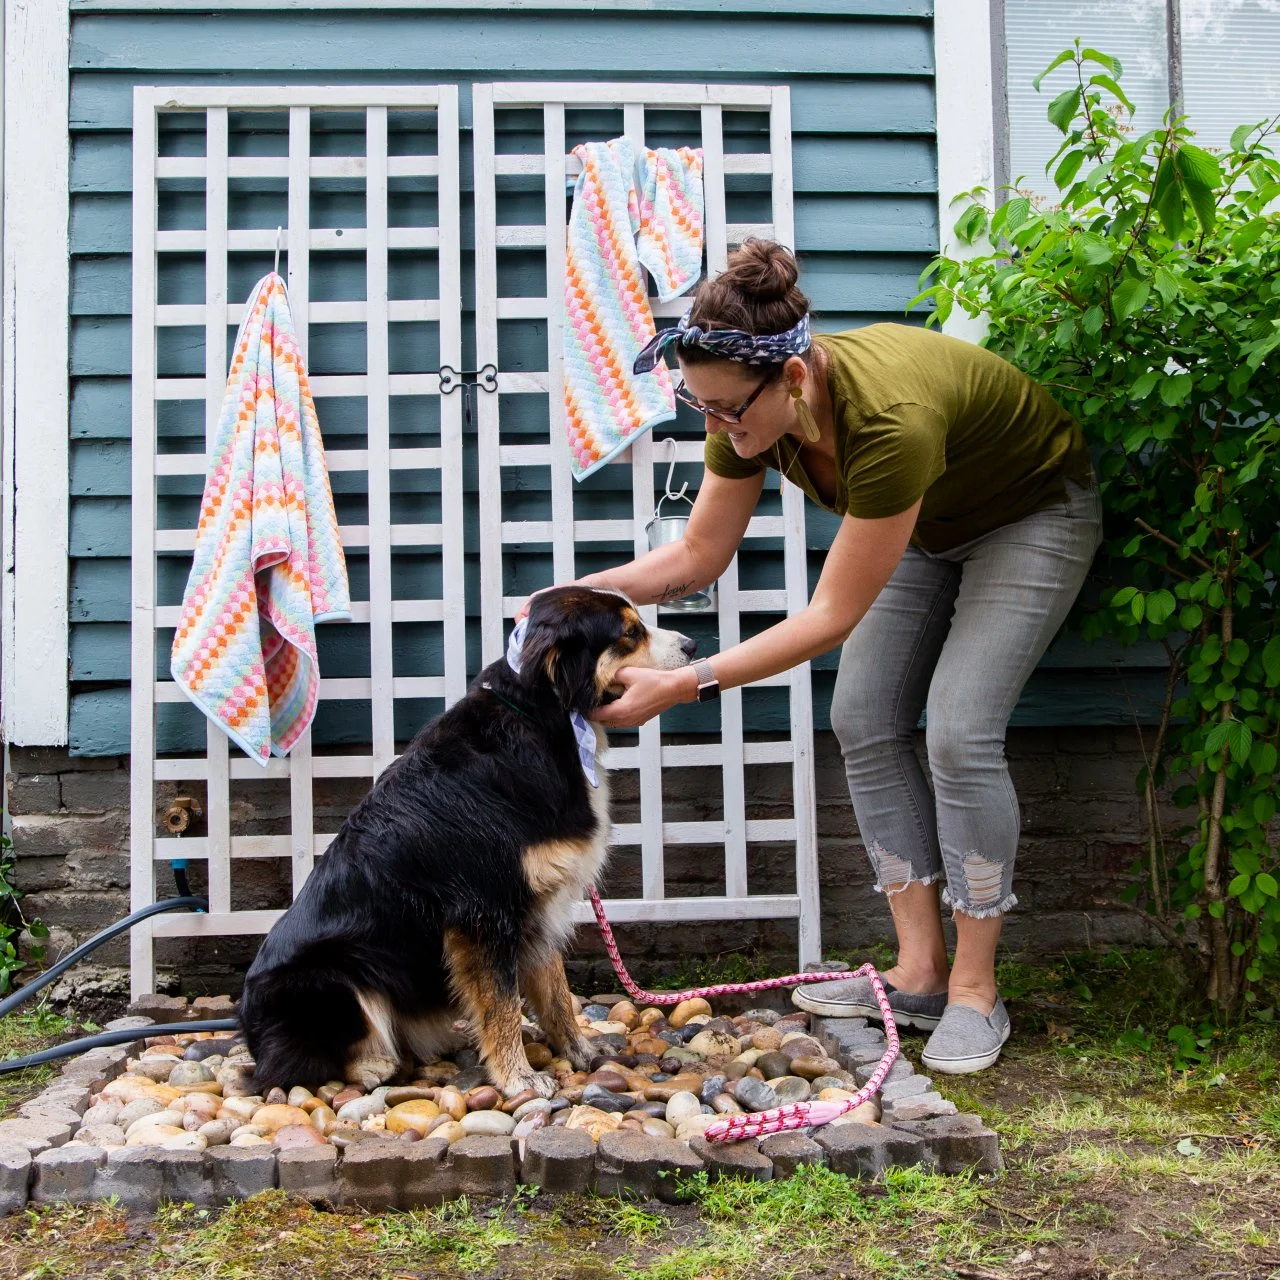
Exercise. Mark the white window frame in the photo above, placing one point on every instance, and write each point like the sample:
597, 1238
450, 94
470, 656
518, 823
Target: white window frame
34, 491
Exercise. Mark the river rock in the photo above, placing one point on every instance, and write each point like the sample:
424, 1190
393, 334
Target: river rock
241, 1108
489, 1124
790, 1089
415, 1114
359, 1109
626, 1013
452, 1102
687, 1009
766, 1039
217, 1133
450, 1131
714, 1044
812, 1068
106, 1136
680, 1106
796, 1045
595, 1095
483, 1098
135, 1110
154, 1135
290, 1137
169, 1119
203, 1049
539, 1056
773, 1064
712, 1087
189, 1073
533, 1106
755, 1095
249, 1140
202, 1104
611, 1080
275, 1115
591, 1120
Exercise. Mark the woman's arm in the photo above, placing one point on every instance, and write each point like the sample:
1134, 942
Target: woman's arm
862, 558
719, 518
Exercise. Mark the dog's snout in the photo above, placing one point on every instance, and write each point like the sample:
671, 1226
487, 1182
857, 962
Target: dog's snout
688, 647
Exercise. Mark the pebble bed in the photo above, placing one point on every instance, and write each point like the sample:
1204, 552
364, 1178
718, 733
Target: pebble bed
175, 1117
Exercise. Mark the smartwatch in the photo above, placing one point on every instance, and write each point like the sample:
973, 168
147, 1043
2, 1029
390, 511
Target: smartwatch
708, 685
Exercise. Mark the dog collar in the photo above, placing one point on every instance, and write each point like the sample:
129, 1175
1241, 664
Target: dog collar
582, 728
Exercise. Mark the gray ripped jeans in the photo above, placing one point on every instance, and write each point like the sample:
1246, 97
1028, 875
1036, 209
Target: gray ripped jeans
955, 634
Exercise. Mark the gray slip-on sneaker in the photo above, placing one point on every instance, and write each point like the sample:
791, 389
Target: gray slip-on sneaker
854, 998
966, 1041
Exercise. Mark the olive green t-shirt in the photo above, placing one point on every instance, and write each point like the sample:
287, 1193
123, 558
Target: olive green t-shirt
919, 414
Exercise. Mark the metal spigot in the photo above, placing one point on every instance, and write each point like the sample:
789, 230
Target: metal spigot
177, 817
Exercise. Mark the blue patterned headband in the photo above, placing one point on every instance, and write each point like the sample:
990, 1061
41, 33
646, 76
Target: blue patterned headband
730, 344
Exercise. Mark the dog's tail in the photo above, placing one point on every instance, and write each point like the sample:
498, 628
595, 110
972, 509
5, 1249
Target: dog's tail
299, 1024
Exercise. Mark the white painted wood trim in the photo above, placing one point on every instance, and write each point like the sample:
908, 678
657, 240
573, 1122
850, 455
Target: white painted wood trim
217, 747
142, 736
966, 126
298, 276
36, 389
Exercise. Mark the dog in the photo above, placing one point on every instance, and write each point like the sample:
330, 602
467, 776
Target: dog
448, 892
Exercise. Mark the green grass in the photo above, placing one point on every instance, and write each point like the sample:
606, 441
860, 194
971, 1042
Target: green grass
21, 1033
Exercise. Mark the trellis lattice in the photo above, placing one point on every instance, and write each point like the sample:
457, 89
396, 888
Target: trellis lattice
399, 487
538, 124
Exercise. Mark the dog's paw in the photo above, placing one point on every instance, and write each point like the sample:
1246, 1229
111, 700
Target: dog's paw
538, 1082
580, 1052
369, 1073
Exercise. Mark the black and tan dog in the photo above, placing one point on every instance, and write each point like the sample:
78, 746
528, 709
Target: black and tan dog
448, 892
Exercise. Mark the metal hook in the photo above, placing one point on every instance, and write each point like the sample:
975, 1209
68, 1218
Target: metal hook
684, 488
275, 269
671, 467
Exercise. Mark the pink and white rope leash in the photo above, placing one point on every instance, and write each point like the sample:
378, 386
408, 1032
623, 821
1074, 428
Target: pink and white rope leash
795, 1115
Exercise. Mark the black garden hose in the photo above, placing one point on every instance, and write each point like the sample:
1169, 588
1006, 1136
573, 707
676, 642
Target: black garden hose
72, 1047
187, 902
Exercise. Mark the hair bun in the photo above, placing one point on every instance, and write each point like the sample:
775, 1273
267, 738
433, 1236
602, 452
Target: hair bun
762, 269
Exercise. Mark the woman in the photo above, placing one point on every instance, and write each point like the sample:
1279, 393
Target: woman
970, 517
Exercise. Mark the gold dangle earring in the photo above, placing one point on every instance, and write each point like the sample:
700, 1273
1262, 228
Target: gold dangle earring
807, 423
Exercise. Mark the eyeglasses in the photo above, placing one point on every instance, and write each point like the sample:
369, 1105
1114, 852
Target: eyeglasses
722, 415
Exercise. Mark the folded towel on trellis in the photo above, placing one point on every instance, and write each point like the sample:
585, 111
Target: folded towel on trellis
268, 559
628, 211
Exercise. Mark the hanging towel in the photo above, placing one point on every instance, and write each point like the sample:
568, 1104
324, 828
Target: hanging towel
628, 211
268, 560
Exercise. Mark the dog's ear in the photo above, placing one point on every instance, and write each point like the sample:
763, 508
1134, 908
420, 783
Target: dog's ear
565, 661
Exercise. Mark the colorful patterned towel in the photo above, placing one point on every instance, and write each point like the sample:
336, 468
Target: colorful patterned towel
268, 561
624, 216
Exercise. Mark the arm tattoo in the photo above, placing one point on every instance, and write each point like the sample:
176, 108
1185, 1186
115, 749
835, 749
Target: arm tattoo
670, 592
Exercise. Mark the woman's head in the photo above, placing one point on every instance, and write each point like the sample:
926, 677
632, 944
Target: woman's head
756, 294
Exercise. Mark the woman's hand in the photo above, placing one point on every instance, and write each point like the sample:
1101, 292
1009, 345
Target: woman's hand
648, 693
523, 611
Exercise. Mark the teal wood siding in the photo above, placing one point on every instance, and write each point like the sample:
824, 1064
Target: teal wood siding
866, 225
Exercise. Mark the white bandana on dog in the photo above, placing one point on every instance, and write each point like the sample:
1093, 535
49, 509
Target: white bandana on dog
582, 729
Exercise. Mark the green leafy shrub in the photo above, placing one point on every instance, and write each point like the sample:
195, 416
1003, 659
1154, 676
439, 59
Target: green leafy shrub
13, 922
1148, 301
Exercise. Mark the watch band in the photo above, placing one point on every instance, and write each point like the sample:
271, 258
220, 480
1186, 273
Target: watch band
708, 685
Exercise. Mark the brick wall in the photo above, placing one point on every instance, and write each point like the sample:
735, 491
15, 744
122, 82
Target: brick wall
1081, 830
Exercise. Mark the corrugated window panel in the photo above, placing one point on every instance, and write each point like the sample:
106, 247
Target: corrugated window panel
1230, 65
1037, 30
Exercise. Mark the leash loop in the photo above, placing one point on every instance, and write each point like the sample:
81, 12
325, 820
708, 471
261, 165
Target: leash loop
795, 1115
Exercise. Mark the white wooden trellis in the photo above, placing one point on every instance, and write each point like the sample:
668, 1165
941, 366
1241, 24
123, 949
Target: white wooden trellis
221, 765
564, 532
